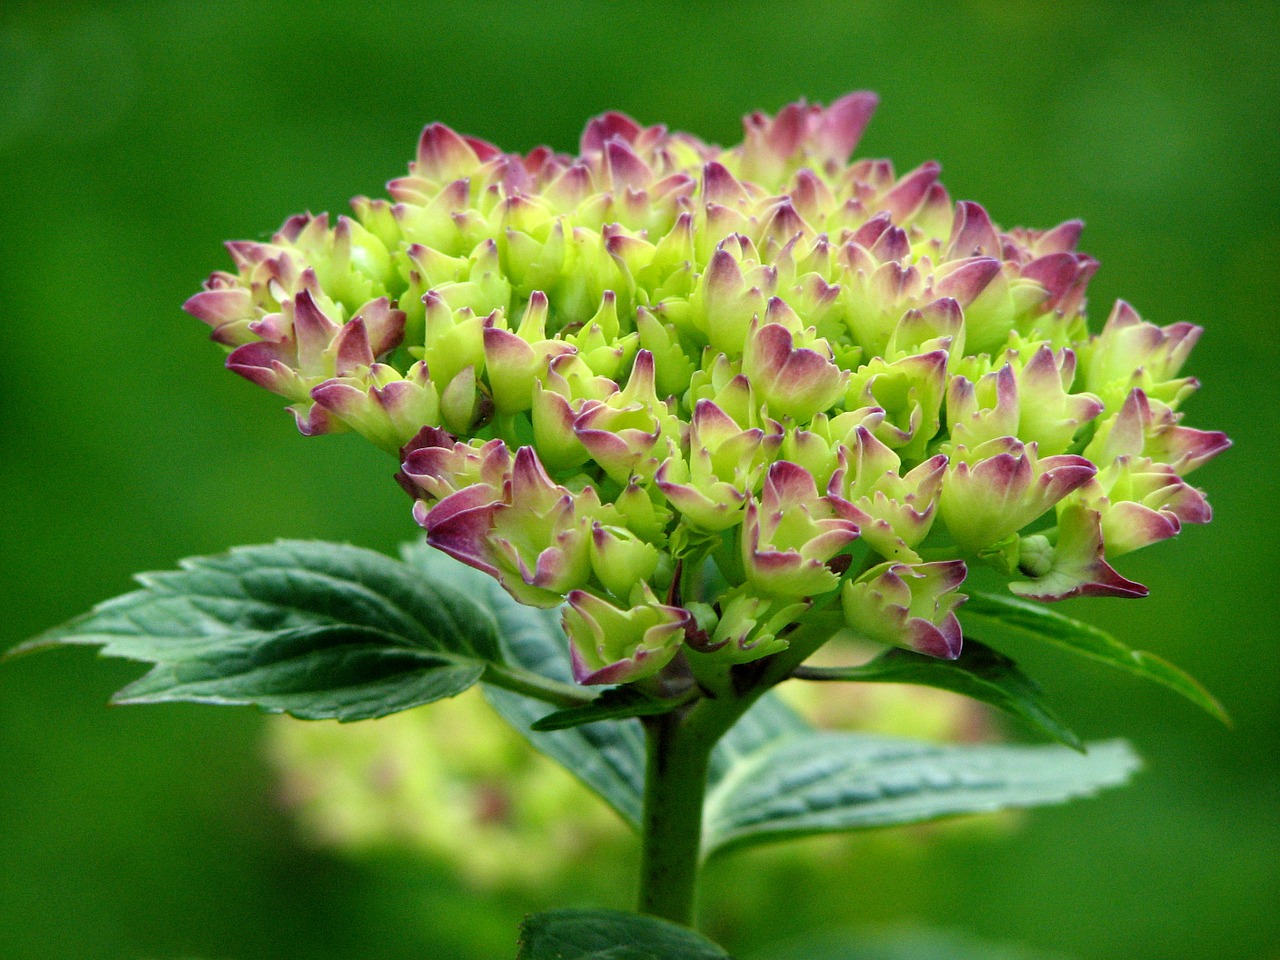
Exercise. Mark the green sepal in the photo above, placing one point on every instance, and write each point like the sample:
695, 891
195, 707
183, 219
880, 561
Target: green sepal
692, 545
1002, 555
1042, 623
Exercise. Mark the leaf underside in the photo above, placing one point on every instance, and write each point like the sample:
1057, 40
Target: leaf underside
613, 703
822, 782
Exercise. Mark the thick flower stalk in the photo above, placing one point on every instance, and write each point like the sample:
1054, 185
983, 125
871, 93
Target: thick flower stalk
699, 395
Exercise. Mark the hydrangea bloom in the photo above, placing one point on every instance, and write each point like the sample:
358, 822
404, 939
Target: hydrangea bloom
701, 394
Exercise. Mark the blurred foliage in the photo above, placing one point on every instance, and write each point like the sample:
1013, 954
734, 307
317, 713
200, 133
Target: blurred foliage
134, 137
864, 944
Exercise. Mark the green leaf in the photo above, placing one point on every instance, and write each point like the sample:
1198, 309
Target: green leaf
1043, 623
614, 703
608, 755
610, 935
980, 673
325, 673
822, 782
316, 630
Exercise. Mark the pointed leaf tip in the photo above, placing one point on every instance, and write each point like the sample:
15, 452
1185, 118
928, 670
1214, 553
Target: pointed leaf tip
316, 630
1042, 623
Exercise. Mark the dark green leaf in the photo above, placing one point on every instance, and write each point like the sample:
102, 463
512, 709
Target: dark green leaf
822, 782
322, 673
610, 935
1043, 623
980, 673
615, 703
317, 630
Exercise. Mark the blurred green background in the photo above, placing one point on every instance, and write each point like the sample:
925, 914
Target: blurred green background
135, 137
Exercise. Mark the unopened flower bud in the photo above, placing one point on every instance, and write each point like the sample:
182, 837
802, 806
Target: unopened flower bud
618, 644
908, 605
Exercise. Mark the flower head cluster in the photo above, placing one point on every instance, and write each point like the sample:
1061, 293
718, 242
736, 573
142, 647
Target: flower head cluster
699, 392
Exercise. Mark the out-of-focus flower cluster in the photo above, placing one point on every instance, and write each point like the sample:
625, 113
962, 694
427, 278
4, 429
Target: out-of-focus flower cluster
697, 392
452, 782
514, 819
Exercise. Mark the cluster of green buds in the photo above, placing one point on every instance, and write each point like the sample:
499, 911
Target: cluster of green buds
699, 395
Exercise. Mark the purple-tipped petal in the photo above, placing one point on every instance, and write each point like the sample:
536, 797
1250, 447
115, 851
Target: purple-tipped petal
460, 526
943, 640
443, 155
607, 126
720, 186
1062, 238
313, 329
867, 234
351, 347
383, 324
219, 307
843, 122
891, 245
908, 605
1078, 567
964, 283
784, 223
910, 192
260, 363
625, 168
972, 234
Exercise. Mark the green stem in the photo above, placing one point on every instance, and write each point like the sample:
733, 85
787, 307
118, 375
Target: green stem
802, 644
671, 831
679, 756
535, 685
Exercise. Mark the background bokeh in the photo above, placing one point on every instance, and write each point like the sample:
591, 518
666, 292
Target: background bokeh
135, 137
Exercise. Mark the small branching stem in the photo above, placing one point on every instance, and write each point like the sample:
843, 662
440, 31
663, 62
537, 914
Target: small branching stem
534, 685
